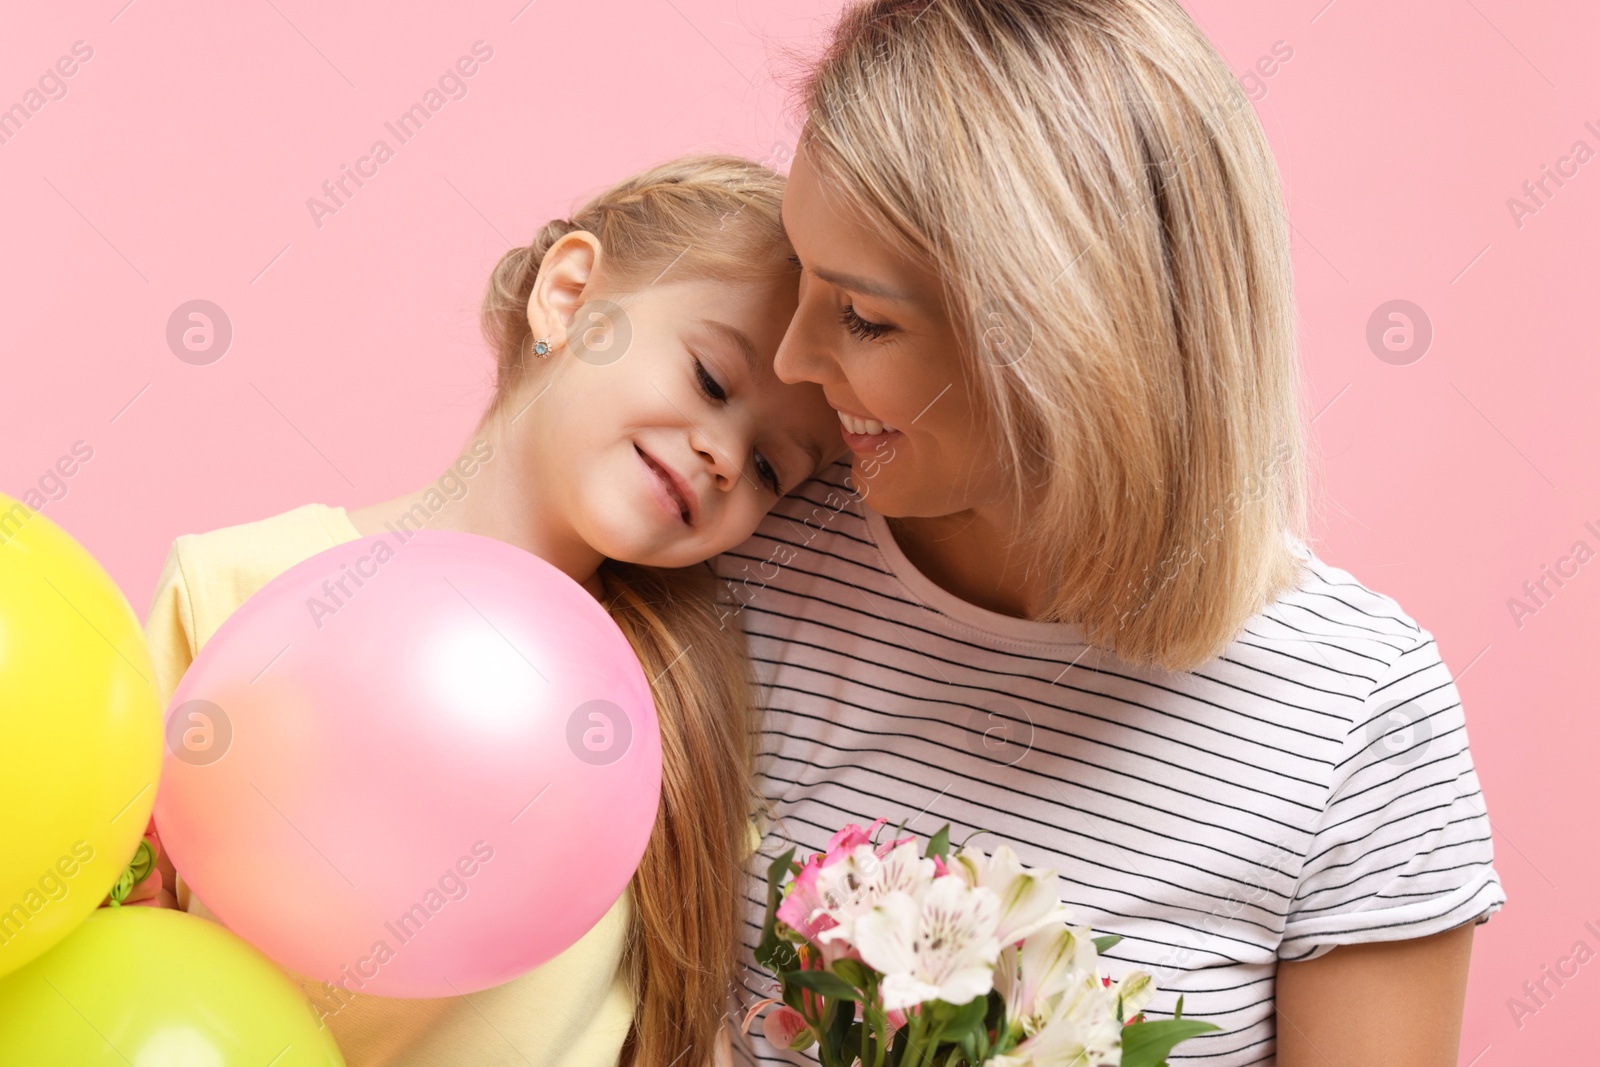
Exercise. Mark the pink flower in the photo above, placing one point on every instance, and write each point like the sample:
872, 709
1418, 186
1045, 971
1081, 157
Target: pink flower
785, 1029
803, 900
849, 836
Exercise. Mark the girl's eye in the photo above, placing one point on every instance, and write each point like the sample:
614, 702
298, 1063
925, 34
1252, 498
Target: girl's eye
708, 384
867, 331
712, 391
767, 474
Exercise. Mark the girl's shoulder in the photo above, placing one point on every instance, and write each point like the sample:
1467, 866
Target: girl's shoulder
208, 575
319, 524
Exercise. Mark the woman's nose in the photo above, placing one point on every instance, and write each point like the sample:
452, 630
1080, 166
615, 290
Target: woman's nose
804, 354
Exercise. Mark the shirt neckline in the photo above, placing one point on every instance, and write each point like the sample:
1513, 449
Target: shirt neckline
947, 603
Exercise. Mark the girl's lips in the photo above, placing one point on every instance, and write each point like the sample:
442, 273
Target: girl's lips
671, 496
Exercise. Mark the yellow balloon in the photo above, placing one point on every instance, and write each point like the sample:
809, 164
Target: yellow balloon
80, 734
154, 987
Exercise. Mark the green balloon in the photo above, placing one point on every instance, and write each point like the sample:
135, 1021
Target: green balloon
145, 985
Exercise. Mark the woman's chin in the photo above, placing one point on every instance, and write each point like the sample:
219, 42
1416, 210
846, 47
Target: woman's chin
886, 494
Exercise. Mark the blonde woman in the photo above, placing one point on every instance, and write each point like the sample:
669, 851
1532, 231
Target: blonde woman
1061, 590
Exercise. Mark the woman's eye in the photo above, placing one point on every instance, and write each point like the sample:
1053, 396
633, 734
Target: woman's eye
767, 474
862, 328
708, 384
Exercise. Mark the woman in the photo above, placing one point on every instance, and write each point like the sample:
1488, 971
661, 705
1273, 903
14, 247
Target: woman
1060, 592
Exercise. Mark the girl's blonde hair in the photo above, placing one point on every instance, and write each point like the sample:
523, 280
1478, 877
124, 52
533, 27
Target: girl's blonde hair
1101, 204
704, 216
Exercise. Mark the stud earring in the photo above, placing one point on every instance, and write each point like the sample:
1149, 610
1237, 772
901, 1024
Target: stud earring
541, 347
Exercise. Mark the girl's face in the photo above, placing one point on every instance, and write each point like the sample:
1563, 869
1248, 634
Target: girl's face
666, 434
871, 329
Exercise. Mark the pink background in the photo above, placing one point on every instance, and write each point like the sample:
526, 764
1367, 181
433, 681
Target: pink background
179, 163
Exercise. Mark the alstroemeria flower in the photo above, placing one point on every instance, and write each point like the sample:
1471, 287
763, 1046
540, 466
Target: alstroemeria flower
1082, 1028
1030, 900
802, 904
1136, 989
939, 947
785, 1028
851, 887
848, 837
1030, 976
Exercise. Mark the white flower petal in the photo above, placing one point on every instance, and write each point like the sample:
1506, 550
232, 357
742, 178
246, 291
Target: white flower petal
886, 936
961, 986
1136, 990
902, 990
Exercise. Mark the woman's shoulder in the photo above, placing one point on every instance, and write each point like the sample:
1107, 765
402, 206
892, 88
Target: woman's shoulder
1330, 604
1335, 632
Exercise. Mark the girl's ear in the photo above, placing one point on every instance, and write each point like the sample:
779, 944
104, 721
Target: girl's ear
569, 267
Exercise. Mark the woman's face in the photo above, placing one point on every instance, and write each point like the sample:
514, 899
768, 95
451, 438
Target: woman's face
872, 330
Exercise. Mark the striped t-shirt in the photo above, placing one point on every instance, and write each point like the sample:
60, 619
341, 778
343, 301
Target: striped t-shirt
1310, 787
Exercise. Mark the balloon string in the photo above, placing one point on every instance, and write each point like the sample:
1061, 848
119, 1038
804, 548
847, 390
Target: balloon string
144, 861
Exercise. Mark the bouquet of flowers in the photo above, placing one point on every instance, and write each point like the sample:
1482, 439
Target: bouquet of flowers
885, 956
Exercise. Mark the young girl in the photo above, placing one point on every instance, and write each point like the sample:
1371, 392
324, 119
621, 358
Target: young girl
636, 430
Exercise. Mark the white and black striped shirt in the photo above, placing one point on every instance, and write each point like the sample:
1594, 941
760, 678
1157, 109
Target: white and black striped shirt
1310, 787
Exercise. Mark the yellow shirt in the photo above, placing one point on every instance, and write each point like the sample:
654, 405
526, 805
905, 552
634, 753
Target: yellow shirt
573, 1011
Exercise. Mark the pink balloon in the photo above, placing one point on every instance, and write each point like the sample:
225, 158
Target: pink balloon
414, 769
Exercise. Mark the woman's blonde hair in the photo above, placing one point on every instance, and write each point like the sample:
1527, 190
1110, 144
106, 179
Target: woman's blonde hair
1101, 204
704, 216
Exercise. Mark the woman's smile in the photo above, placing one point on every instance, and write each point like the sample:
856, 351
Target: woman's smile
865, 436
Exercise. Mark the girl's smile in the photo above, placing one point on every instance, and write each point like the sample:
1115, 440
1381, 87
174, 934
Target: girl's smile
669, 488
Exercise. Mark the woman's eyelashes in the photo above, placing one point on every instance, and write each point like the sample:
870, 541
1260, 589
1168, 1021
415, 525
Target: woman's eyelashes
712, 390
862, 328
865, 329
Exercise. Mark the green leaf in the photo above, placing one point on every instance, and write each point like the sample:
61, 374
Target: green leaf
782, 958
777, 871
939, 843
853, 1038
844, 1015
1147, 1044
792, 997
969, 1046
1106, 941
964, 1018
995, 1019
824, 982
853, 972
897, 1046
